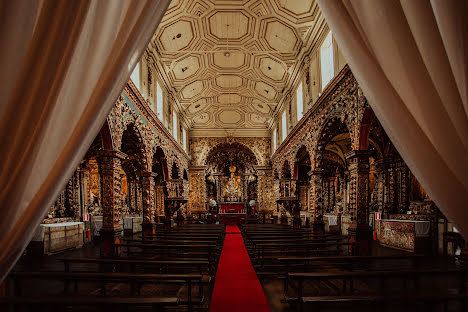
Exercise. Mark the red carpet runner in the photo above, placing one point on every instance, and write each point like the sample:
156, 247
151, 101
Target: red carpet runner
236, 287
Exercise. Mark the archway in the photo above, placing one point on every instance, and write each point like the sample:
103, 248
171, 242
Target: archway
159, 167
132, 167
231, 180
302, 168
330, 185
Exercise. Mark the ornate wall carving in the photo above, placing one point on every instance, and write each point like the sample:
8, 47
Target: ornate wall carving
343, 99
200, 147
197, 189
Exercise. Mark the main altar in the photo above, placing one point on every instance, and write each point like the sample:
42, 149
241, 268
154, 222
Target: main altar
232, 194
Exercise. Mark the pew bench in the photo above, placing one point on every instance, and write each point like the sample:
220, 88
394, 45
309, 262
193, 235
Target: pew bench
409, 302
77, 303
348, 279
135, 281
116, 264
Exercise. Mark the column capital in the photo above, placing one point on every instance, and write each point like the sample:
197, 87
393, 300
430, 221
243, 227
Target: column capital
315, 173
102, 154
197, 168
147, 174
358, 154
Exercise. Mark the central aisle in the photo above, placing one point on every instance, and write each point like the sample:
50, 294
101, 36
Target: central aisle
237, 287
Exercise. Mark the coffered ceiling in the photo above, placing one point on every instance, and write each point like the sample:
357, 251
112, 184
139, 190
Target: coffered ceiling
229, 64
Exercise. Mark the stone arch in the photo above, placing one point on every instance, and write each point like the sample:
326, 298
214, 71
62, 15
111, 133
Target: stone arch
302, 157
333, 125
286, 170
159, 163
138, 145
175, 171
255, 152
222, 146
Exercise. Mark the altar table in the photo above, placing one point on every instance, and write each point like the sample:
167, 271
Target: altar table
232, 218
57, 237
232, 207
409, 235
132, 225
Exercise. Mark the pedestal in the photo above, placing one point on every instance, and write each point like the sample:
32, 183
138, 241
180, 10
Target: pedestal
297, 222
148, 228
109, 237
362, 236
318, 226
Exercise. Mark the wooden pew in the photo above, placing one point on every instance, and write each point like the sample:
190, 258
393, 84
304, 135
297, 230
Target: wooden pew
343, 263
407, 302
134, 280
77, 303
380, 276
160, 265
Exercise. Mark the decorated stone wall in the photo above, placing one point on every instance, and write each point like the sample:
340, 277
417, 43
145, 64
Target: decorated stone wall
101, 189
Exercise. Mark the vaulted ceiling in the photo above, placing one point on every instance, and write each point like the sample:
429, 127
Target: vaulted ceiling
229, 64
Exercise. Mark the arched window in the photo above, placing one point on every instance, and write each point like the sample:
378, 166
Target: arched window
299, 102
174, 124
284, 127
184, 138
159, 101
274, 140
326, 60
135, 76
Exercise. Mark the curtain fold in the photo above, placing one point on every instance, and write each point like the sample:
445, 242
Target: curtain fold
64, 64
410, 59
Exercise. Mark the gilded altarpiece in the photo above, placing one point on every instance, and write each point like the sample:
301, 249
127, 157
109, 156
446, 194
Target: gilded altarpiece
201, 147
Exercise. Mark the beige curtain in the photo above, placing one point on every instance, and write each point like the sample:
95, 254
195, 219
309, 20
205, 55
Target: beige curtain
63, 64
410, 59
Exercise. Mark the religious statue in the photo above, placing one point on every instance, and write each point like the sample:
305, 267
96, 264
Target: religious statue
232, 187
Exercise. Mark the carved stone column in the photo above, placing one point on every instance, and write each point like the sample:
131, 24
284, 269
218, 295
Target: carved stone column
147, 181
197, 190
403, 203
265, 200
160, 200
131, 184
391, 195
84, 188
316, 208
359, 231
139, 195
109, 169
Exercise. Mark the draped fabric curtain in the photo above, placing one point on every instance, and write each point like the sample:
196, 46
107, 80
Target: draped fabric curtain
63, 63
410, 57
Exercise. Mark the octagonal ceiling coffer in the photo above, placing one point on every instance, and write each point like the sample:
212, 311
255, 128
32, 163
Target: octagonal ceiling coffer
229, 117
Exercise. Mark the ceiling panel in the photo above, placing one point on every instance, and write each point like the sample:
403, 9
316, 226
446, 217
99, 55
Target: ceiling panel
230, 62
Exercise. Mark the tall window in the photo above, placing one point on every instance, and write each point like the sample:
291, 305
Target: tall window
159, 101
135, 76
326, 60
299, 102
184, 138
174, 124
274, 140
284, 127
